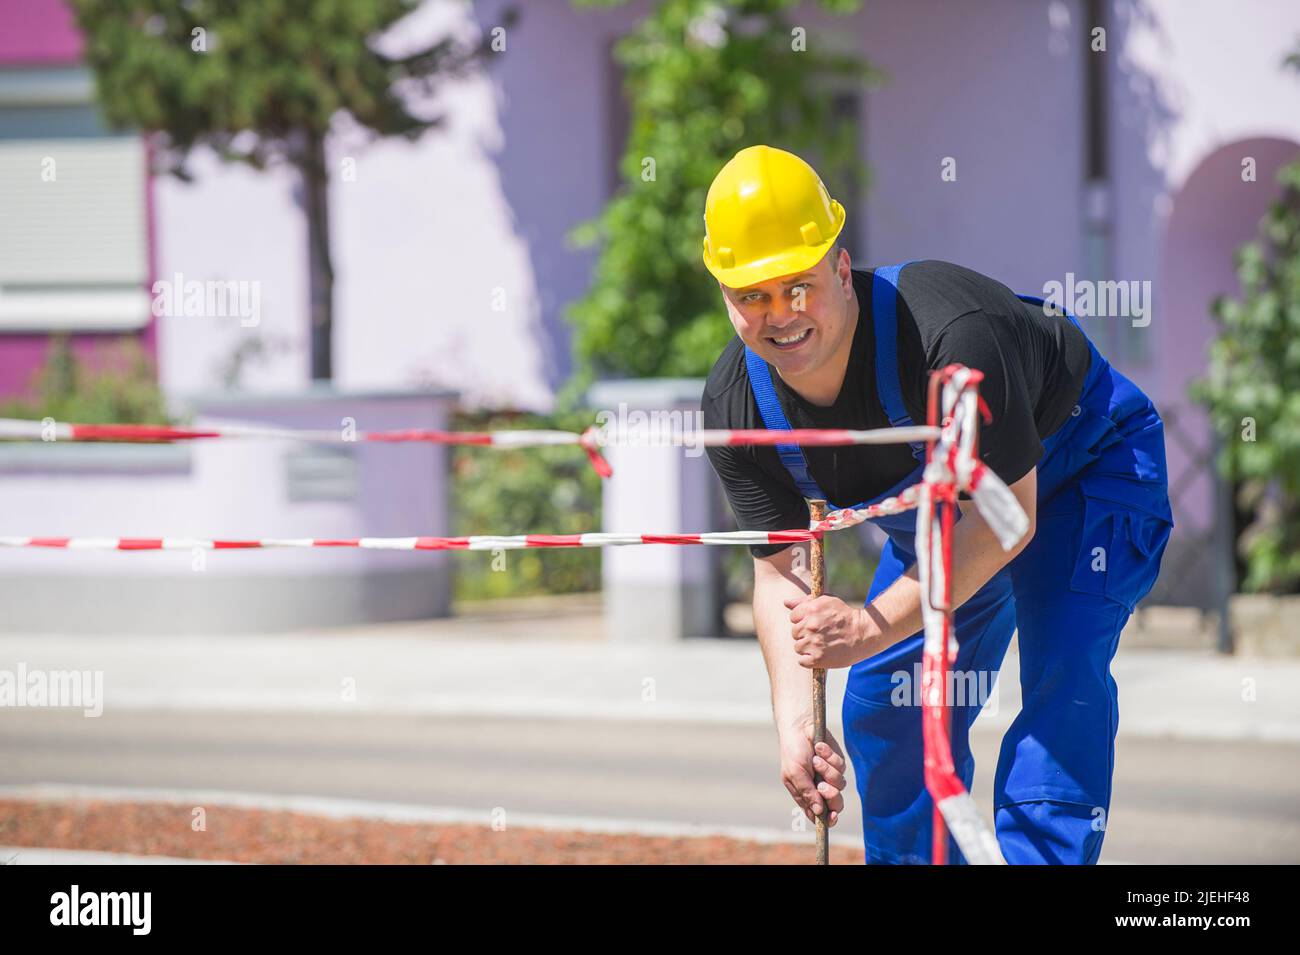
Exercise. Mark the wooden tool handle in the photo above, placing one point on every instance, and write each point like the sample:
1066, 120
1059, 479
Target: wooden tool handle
817, 510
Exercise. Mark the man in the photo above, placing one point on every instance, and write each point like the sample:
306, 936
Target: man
823, 346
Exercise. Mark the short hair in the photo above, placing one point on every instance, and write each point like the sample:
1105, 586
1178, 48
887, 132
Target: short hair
834, 254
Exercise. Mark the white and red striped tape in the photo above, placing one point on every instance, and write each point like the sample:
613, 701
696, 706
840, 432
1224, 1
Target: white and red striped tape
476, 542
836, 520
13, 428
591, 440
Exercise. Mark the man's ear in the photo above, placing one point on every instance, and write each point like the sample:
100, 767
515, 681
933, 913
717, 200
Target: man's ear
844, 270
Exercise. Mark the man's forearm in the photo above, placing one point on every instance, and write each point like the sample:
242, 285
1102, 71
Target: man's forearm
976, 557
791, 688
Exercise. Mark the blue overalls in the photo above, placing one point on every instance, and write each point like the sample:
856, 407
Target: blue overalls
1103, 521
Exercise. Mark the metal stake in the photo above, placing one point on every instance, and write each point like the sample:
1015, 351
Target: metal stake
817, 510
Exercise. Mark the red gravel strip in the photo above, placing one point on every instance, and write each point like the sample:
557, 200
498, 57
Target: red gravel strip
254, 835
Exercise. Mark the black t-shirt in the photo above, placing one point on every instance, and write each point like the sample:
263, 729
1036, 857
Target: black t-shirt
1034, 368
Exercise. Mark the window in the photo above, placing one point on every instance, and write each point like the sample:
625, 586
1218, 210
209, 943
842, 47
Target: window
73, 209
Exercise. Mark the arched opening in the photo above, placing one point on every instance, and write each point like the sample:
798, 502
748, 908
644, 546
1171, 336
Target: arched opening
1217, 210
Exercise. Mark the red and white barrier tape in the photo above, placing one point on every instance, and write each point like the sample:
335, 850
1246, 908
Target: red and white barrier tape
13, 428
476, 542
836, 520
591, 440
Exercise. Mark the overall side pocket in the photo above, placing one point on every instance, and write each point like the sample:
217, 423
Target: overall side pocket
1119, 550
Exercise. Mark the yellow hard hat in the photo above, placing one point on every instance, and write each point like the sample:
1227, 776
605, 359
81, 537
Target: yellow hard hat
767, 214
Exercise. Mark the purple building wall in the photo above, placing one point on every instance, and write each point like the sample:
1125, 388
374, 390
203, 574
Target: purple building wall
38, 32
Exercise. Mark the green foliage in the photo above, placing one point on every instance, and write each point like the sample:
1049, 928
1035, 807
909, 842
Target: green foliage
257, 81
704, 79
529, 491
120, 388
1254, 377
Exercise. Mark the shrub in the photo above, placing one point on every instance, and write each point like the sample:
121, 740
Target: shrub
119, 387
528, 491
1252, 398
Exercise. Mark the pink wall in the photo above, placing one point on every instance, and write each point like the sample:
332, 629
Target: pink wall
38, 32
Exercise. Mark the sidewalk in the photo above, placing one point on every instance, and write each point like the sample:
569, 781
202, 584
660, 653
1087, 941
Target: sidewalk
550, 660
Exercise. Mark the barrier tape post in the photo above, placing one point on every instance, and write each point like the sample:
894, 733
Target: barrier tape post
937, 664
952, 466
817, 566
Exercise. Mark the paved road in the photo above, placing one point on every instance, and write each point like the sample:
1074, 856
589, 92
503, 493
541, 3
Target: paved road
1176, 801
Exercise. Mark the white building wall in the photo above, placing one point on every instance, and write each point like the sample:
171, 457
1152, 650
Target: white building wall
450, 253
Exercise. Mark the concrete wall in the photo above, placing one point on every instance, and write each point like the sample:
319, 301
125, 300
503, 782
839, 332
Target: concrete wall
658, 594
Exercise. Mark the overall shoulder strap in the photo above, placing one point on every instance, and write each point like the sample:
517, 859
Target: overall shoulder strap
884, 316
774, 419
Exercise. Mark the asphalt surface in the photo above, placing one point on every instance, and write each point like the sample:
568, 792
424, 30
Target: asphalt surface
1175, 800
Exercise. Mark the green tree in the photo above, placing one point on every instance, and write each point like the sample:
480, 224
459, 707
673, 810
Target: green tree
1253, 393
704, 79
260, 83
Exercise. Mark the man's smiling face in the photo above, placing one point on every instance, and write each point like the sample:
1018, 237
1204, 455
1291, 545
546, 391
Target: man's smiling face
799, 323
